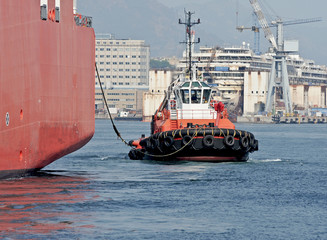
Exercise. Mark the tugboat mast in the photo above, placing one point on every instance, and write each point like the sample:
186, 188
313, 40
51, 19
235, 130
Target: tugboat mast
189, 24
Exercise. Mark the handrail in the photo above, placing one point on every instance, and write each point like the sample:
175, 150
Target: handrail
83, 21
197, 114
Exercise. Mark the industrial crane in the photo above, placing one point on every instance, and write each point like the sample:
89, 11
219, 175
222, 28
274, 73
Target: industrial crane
278, 79
256, 29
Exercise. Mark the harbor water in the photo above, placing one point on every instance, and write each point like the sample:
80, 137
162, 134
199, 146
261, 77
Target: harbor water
98, 193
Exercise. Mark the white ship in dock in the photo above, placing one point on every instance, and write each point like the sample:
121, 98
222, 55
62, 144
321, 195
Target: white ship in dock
241, 79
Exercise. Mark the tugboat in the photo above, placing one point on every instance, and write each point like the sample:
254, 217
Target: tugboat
190, 125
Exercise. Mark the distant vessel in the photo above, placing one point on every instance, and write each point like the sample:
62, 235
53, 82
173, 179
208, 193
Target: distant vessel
47, 66
239, 78
190, 125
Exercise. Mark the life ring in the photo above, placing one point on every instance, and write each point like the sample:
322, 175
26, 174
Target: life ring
229, 141
52, 15
168, 141
208, 141
213, 102
172, 104
187, 139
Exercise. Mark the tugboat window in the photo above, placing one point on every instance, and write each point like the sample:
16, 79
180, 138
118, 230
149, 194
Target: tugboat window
195, 84
206, 95
185, 96
196, 96
187, 84
204, 84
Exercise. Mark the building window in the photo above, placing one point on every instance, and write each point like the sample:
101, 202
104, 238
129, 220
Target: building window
129, 106
108, 49
120, 83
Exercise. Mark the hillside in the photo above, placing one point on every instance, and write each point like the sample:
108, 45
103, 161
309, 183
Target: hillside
158, 24
155, 22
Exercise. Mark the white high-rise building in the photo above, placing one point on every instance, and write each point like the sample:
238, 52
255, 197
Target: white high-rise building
122, 63
123, 67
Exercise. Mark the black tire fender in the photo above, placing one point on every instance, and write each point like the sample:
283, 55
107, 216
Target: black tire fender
187, 139
154, 143
229, 141
132, 154
208, 141
168, 141
244, 142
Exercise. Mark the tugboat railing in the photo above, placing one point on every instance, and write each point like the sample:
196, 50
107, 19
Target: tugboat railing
196, 114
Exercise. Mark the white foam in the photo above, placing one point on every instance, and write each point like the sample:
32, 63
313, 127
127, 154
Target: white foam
265, 160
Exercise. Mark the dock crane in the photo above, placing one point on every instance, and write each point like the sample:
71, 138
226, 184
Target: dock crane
256, 29
278, 80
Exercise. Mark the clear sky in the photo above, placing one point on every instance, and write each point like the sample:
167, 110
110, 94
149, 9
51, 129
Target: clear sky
218, 19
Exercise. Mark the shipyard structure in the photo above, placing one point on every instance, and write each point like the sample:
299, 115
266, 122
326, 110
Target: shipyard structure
240, 78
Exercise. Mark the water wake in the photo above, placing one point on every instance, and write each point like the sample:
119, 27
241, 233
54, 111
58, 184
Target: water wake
265, 160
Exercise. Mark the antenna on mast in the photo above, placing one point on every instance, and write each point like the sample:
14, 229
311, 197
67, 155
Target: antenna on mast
189, 42
237, 9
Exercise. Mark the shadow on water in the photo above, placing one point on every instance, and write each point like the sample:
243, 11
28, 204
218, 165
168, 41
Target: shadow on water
36, 204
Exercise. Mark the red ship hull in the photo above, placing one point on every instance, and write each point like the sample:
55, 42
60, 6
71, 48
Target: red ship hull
46, 86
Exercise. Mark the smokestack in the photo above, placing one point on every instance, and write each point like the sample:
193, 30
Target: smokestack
74, 6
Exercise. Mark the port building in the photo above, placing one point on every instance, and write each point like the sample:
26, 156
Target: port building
123, 66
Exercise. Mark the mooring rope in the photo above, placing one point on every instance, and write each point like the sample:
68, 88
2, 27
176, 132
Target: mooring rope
105, 101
